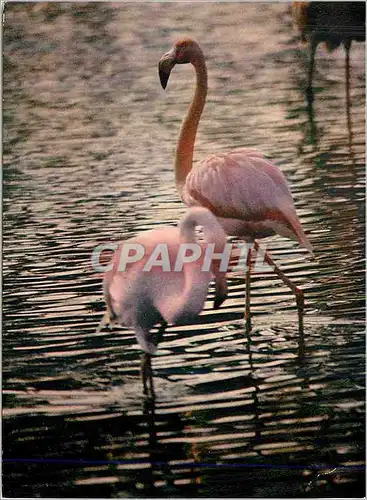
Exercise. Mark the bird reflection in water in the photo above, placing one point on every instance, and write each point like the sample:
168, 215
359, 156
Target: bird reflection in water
313, 132
335, 23
162, 474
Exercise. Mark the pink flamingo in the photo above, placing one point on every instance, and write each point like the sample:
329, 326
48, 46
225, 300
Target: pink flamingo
247, 192
141, 297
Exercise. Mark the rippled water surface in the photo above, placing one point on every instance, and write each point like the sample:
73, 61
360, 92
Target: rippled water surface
89, 139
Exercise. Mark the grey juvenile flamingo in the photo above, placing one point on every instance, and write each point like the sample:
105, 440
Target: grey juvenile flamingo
140, 296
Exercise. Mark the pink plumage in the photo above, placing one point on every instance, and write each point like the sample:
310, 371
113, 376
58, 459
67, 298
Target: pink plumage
141, 296
248, 194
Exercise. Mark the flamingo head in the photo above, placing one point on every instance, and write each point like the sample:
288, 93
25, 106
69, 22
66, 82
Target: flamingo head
184, 51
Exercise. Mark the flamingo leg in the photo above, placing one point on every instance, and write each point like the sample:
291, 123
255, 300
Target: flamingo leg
147, 374
311, 66
163, 324
300, 300
159, 335
108, 319
104, 321
248, 291
347, 44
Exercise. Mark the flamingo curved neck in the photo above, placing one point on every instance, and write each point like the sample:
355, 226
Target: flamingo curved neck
186, 140
196, 281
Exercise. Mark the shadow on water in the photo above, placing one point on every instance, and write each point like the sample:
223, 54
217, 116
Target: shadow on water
310, 128
88, 159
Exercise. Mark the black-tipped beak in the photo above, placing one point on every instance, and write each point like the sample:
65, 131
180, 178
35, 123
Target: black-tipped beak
165, 66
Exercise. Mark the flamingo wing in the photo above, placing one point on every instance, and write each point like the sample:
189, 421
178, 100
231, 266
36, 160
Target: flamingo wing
244, 185
241, 184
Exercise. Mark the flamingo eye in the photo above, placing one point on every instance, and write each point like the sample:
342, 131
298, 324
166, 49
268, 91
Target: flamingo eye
180, 54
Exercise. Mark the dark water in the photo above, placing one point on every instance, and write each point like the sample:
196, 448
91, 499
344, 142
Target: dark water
89, 142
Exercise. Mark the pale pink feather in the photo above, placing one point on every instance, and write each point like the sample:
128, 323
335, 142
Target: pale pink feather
247, 192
